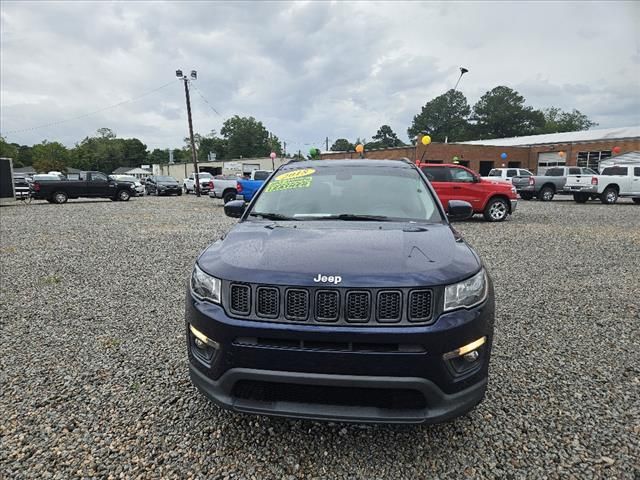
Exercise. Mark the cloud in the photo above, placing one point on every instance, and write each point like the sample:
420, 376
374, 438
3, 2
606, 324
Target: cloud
308, 70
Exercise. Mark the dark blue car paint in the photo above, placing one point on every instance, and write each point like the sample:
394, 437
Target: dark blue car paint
364, 254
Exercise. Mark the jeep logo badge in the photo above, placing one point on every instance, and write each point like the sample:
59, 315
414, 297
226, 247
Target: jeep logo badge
330, 279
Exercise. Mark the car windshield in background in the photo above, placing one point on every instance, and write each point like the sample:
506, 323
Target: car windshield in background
204, 175
260, 175
166, 179
495, 173
127, 178
358, 193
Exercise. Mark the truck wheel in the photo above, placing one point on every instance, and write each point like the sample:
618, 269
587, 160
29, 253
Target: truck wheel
59, 197
229, 196
581, 197
123, 196
496, 210
546, 194
609, 196
526, 196
636, 200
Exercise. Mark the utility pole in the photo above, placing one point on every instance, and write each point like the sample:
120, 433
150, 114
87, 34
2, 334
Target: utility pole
284, 149
462, 72
194, 154
327, 144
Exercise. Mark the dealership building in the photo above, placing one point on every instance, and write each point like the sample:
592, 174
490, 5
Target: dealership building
535, 152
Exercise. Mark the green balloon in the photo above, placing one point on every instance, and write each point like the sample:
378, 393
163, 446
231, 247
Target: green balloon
313, 151
455, 159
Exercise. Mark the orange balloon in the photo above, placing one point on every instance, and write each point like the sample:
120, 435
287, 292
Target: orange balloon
359, 148
562, 154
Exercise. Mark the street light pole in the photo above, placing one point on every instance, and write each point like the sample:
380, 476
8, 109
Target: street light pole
462, 72
194, 154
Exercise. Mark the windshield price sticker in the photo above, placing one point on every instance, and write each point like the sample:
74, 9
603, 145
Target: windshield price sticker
277, 185
303, 172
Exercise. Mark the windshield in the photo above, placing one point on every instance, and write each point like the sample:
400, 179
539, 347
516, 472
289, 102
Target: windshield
495, 173
202, 175
348, 193
166, 179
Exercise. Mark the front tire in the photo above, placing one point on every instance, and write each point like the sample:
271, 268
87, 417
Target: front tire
546, 194
581, 197
123, 196
60, 197
496, 210
609, 196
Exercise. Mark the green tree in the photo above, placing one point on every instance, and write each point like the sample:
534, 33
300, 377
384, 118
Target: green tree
556, 120
501, 113
444, 116
8, 150
158, 156
50, 156
247, 137
135, 152
24, 154
342, 145
386, 137
105, 132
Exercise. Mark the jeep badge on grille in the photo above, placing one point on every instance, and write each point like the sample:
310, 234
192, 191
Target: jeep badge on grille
335, 279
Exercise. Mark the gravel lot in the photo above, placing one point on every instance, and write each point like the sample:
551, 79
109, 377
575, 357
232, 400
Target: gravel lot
94, 378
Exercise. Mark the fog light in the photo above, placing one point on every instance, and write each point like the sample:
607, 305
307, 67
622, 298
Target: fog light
463, 351
471, 356
201, 340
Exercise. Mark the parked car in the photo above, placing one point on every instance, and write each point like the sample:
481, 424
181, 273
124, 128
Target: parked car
613, 182
139, 187
247, 188
189, 183
507, 174
224, 187
546, 186
90, 184
356, 301
494, 199
162, 185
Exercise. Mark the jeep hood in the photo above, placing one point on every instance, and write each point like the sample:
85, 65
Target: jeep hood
364, 254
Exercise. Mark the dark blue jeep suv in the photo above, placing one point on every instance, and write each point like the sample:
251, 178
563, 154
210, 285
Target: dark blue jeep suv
343, 293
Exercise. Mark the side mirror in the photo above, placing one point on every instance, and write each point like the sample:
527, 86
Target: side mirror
234, 208
476, 179
459, 210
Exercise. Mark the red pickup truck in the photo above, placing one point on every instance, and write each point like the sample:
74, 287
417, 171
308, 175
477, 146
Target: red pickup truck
495, 199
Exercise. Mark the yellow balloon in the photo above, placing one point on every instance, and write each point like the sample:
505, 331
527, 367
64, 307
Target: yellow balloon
426, 140
359, 148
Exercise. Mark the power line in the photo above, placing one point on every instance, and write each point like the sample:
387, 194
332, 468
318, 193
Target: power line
205, 100
58, 122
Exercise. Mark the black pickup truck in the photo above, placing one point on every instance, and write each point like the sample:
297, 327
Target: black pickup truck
90, 184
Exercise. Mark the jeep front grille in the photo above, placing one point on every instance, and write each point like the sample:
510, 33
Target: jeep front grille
241, 299
268, 302
419, 305
345, 306
327, 302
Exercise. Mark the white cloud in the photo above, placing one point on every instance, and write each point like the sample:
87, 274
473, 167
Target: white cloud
307, 70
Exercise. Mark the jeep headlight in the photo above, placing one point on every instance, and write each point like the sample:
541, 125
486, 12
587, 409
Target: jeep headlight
467, 293
205, 287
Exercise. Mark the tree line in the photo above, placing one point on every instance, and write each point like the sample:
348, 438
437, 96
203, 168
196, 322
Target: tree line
500, 112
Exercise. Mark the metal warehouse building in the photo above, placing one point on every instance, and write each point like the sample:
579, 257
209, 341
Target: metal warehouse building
535, 152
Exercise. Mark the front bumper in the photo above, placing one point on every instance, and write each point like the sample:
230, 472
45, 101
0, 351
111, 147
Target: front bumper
514, 205
273, 375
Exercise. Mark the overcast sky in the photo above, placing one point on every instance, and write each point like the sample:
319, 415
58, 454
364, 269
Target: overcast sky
307, 70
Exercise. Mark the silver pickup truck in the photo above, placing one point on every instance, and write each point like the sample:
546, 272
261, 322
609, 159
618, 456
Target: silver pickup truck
545, 187
224, 187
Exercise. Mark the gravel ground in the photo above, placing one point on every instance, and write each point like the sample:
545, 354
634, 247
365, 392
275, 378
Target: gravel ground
94, 378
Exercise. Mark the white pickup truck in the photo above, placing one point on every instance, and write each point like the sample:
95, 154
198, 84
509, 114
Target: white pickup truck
224, 187
613, 182
189, 183
507, 174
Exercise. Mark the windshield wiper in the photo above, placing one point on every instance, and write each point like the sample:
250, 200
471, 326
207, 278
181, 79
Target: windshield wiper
355, 217
270, 216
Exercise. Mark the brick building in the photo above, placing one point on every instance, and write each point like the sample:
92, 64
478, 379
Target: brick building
534, 152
